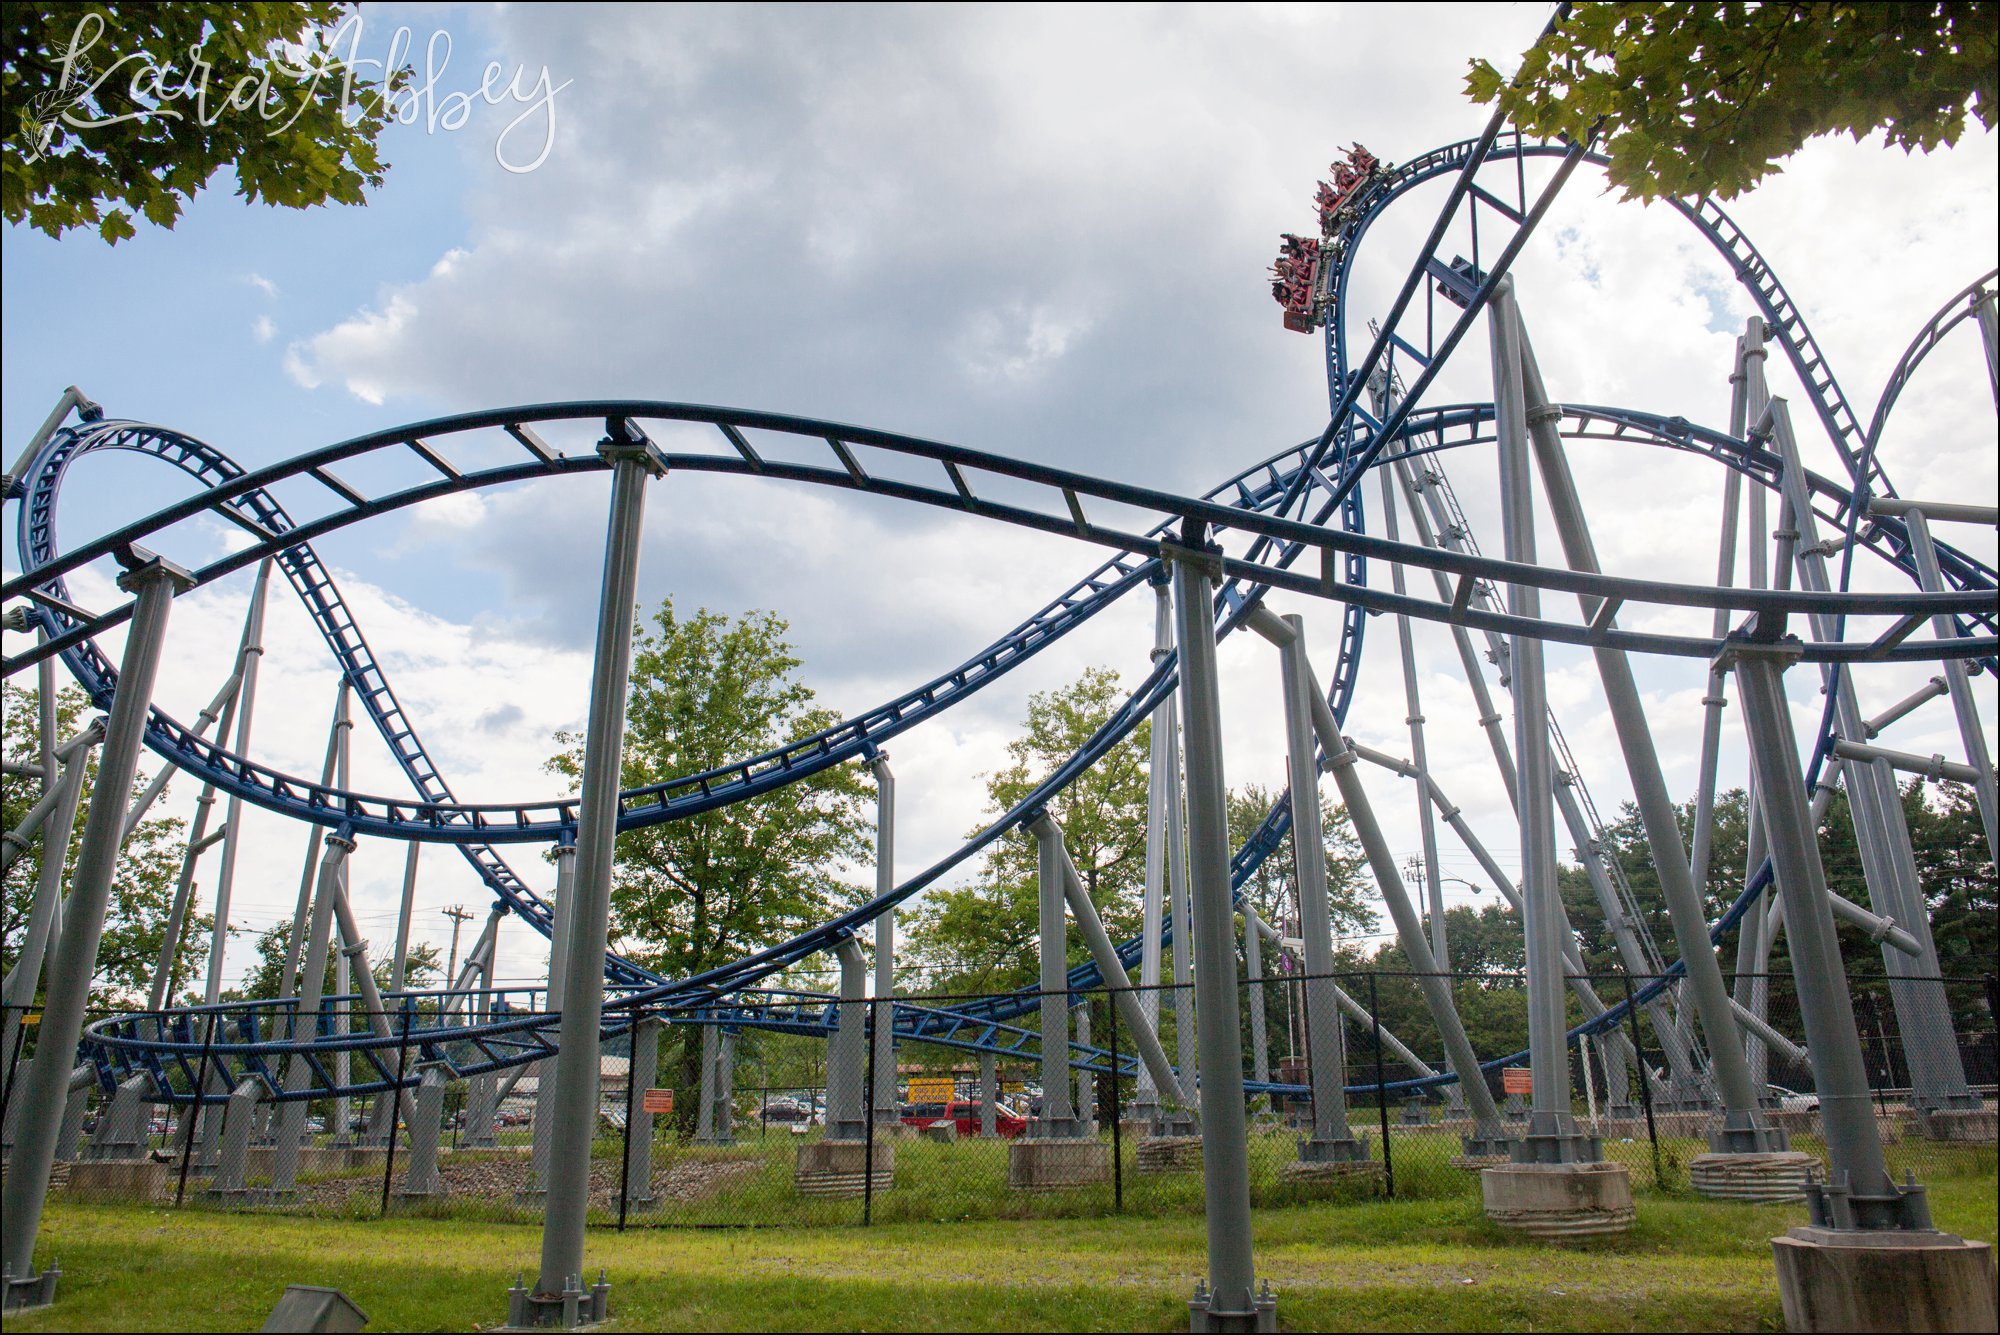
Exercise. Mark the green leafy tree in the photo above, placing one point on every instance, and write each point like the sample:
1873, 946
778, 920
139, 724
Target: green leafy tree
1349, 890
117, 110
1694, 99
142, 889
984, 937
423, 967
701, 891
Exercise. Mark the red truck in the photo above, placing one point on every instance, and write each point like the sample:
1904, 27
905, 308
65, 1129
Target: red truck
964, 1112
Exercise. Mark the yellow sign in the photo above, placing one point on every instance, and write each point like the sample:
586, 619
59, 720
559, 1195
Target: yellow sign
1012, 1087
933, 1089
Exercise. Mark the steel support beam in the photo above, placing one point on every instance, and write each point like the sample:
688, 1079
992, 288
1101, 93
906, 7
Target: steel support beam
633, 462
153, 582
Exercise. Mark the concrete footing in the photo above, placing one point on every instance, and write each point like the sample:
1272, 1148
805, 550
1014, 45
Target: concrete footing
131, 1180
840, 1168
1479, 1163
1169, 1154
1036, 1163
944, 1131
1779, 1176
1962, 1126
1837, 1280
1329, 1172
1559, 1200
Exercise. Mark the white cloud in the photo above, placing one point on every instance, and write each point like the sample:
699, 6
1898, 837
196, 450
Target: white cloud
263, 330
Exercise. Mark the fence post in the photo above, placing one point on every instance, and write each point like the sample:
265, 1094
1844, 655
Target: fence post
1117, 1145
868, 1120
396, 1106
1381, 1089
1645, 1083
194, 1112
625, 1153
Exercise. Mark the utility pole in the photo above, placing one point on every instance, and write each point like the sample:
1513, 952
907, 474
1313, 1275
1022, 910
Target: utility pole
458, 916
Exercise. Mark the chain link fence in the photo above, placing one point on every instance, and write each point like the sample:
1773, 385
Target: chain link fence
732, 1125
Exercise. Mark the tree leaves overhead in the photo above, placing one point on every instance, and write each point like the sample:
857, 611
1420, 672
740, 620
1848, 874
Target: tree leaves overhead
101, 125
1694, 99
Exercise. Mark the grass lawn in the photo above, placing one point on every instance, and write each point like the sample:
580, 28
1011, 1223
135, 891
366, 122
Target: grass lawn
1375, 1265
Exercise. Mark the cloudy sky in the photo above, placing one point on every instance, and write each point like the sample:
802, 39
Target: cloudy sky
1039, 232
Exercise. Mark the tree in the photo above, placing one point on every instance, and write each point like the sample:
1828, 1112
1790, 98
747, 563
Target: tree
423, 966
142, 889
700, 891
116, 110
1694, 99
1271, 887
985, 937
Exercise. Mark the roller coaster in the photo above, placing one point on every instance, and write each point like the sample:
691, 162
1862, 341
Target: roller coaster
1253, 535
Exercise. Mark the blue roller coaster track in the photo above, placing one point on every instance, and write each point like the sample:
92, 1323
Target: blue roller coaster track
1268, 518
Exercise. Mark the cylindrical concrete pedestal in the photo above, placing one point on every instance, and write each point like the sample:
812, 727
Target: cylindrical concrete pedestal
1962, 1126
1051, 1164
1754, 1177
1329, 1172
1568, 1200
1835, 1280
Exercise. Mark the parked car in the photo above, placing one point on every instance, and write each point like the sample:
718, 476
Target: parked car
1790, 1100
965, 1114
788, 1112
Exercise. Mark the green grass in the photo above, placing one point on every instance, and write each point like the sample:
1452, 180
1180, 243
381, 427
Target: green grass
1387, 1265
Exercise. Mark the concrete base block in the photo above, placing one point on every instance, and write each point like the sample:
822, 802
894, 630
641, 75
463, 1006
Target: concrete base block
1559, 1200
840, 1168
1329, 1172
1051, 1164
1479, 1163
1962, 1126
1169, 1154
1834, 1280
118, 1180
943, 1131
1754, 1177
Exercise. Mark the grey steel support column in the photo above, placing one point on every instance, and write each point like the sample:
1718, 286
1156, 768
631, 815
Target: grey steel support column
1186, 1034
1716, 699
1744, 1129
644, 1070
18, 991
1488, 1138
121, 1128
399, 962
725, 1083
426, 1123
847, 1052
886, 1113
545, 1069
633, 461
1861, 1193
1989, 335
1326, 1063
1253, 977
989, 1096
1414, 707
1058, 1119
704, 1122
1146, 1102
1086, 1083
239, 1118
1958, 683
219, 713
295, 941
308, 1018
232, 818
1552, 1136
1231, 1303
1937, 1073
81, 1082
1145, 1039
153, 582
